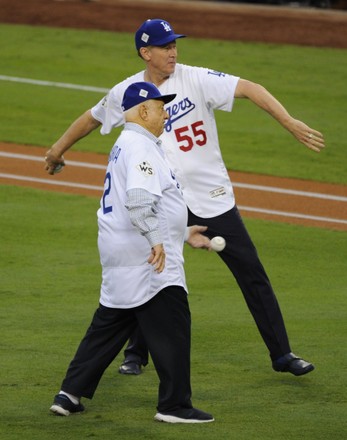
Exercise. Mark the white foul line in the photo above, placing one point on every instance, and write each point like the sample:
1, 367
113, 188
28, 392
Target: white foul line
292, 192
292, 214
51, 182
99, 188
235, 184
41, 159
38, 82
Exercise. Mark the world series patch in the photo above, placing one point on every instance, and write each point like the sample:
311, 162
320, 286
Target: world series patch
145, 168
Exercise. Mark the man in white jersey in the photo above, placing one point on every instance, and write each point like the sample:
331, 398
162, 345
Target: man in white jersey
142, 223
192, 148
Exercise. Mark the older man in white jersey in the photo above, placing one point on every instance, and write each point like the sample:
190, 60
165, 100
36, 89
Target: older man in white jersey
142, 226
192, 148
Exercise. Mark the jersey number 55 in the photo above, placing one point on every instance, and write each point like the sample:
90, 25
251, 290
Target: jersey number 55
188, 136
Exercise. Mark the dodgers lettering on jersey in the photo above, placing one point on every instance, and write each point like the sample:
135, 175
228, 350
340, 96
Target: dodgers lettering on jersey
178, 111
190, 138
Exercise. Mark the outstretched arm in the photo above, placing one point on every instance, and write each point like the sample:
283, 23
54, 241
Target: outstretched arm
80, 128
313, 139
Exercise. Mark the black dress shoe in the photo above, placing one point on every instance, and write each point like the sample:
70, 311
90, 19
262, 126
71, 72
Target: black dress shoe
292, 364
130, 368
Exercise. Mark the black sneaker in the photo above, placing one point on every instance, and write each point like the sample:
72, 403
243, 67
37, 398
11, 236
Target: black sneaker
292, 364
62, 406
186, 415
130, 368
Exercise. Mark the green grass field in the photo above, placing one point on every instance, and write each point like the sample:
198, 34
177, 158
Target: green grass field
50, 274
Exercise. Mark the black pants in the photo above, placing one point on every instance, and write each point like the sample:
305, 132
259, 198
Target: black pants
240, 255
165, 325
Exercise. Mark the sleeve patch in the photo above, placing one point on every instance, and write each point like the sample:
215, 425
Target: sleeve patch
145, 168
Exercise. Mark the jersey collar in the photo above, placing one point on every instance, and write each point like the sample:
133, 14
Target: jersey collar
132, 126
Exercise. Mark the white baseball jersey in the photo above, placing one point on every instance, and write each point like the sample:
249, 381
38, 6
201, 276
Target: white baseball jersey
190, 138
128, 280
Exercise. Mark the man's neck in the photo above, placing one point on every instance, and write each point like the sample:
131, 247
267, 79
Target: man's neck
155, 78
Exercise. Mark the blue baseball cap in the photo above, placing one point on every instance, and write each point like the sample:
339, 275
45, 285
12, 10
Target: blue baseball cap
156, 32
140, 92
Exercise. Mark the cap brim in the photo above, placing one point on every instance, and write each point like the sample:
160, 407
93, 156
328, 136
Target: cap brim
166, 98
169, 39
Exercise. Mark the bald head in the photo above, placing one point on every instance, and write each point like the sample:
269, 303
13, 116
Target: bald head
150, 114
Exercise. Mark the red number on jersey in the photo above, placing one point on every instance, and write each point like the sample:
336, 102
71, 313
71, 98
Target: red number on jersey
199, 133
183, 136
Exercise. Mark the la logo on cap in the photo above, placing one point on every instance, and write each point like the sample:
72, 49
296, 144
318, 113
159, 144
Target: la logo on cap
166, 26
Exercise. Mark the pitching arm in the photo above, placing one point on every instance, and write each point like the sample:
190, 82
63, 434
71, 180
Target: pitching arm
311, 138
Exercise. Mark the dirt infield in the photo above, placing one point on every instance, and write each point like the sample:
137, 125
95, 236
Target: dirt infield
279, 199
288, 200
205, 19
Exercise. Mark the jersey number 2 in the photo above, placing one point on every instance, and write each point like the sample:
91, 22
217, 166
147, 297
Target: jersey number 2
107, 185
183, 135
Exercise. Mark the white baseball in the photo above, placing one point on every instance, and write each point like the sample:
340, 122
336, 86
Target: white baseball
218, 243
58, 168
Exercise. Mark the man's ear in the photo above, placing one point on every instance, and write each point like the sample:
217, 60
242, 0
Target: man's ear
145, 53
143, 111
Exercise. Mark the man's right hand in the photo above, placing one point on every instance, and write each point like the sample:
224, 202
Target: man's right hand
157, 258
54, 163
